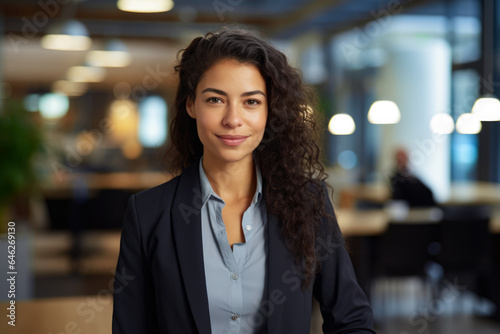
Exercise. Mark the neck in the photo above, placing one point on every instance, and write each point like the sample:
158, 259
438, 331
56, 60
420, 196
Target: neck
231, 181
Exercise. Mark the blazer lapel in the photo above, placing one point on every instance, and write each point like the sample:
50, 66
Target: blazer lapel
279, 262
186, 220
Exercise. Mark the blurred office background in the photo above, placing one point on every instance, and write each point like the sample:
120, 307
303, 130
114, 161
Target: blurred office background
81, 129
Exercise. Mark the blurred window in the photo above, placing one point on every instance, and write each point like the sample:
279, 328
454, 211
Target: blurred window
464, 157
152, 121
314, 71
466, 39
464, 148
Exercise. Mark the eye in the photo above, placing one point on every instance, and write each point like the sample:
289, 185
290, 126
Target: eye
214, 100
252, 102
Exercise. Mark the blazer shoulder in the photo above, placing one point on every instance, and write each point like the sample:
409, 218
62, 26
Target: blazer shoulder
158, 197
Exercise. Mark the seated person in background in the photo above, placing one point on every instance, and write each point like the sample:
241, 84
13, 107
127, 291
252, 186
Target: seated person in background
406, 186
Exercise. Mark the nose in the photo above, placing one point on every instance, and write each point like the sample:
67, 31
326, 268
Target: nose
232, 116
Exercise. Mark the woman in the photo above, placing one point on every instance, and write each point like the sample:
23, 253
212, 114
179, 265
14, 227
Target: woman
245, 236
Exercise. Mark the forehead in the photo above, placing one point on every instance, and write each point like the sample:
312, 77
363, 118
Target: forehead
233, 75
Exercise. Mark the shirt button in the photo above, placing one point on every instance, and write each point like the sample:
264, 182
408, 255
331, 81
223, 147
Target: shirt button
234, 317
248, 227
234, 276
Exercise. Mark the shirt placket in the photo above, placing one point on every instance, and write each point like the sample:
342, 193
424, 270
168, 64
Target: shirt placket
234, 270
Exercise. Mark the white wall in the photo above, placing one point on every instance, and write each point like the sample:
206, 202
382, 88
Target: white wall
417, 76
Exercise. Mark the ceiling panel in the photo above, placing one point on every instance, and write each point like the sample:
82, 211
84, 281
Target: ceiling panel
155, 38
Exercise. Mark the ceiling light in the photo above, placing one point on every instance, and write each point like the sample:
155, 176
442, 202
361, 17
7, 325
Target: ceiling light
384, 112
487, 109
145, 6
69, 88
114, 54
68, 35
442, 124
86, 74
341, 124
468, 124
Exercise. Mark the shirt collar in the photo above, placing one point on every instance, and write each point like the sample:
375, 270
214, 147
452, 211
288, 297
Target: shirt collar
207, 191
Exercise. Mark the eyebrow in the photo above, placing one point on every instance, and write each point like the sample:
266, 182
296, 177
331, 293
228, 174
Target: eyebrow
221, 92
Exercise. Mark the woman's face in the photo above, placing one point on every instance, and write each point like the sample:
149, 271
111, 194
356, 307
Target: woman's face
230, 109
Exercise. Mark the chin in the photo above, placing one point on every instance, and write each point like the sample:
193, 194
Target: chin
234, 156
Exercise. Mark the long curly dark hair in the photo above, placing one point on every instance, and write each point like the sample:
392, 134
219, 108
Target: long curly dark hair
293, 175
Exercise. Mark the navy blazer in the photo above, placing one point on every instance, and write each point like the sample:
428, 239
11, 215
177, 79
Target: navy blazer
160, 280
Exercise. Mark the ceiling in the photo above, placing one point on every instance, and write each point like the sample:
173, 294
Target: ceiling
154, 39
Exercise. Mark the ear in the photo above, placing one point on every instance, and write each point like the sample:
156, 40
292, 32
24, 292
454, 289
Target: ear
190, 108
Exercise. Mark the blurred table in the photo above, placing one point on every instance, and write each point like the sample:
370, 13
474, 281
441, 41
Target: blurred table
474, 193
67, 184
468, 193
86, 314
354, 222
86, 201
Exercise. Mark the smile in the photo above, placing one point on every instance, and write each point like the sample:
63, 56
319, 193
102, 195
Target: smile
232, 140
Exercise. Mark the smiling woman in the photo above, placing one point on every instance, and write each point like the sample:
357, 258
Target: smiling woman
230, 109
245, 236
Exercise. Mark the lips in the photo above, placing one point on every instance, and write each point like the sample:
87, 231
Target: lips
231, 140
231, 137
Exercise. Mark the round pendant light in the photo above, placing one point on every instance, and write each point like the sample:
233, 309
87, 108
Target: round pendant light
384, 112
67, 35
487, 109
442, 124
86, 74
145, 6
114, 53
468, 124
341, 124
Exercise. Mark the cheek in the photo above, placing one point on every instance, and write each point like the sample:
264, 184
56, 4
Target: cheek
261, 122
205, 123
203, 130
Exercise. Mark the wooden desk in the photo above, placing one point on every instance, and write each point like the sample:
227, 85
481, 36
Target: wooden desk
72, 315
474, 193
468, 193
67, 184
374, 222
362, 223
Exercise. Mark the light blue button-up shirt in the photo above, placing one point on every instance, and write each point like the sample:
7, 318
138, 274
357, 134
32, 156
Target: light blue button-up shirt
236, 279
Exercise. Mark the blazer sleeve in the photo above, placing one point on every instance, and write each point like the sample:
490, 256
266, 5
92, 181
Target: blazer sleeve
343, 304
134, 308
